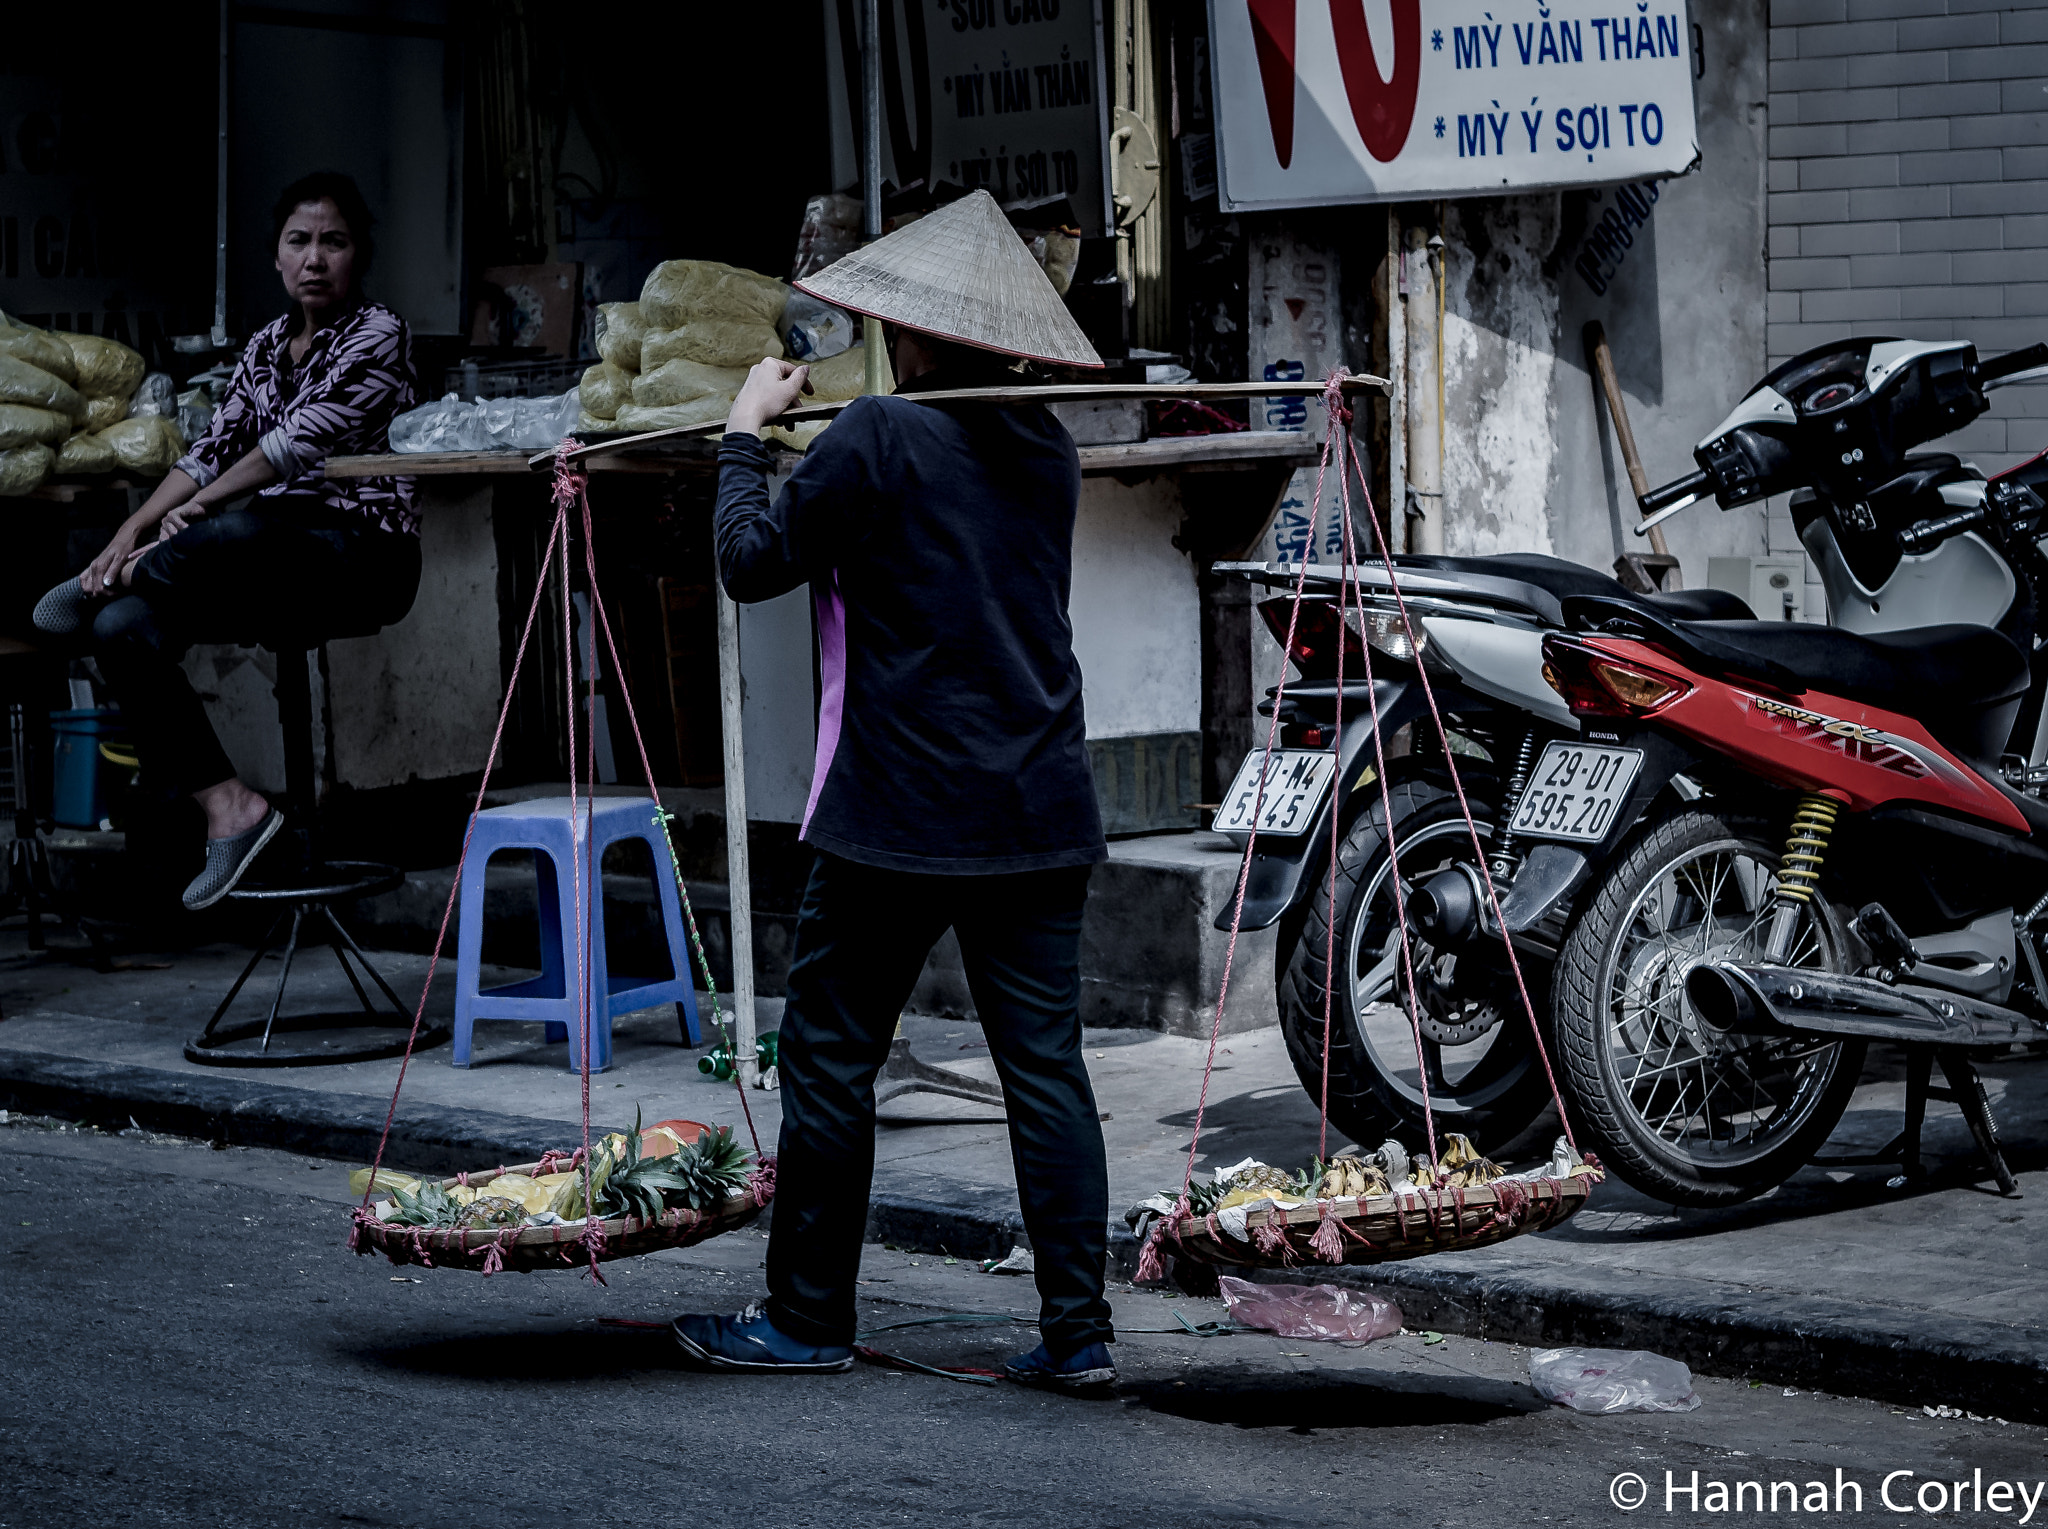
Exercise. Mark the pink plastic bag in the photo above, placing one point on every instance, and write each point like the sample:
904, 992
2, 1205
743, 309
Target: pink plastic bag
1326, 1312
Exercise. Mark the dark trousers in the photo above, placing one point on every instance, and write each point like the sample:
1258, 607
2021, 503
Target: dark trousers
861, 940
248, 576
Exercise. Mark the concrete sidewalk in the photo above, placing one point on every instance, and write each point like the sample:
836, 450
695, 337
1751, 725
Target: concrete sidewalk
1922, 1296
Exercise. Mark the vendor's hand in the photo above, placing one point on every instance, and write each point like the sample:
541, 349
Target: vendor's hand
772, 388
183, 516
102, 573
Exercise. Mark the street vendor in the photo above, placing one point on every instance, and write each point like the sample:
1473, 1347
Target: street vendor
951, 787
203, 561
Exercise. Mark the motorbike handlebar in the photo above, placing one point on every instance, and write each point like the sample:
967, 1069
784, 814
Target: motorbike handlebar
2011, 364
1692, 485
1924, 534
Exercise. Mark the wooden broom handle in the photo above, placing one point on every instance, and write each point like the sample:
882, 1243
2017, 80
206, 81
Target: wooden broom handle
1617, 409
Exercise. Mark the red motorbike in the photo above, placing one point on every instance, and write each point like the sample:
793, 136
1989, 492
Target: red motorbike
1814, 844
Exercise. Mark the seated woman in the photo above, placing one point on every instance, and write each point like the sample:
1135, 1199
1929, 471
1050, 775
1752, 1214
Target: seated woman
303, 556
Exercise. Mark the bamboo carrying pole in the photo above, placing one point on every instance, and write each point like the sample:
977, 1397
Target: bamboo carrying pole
739, 881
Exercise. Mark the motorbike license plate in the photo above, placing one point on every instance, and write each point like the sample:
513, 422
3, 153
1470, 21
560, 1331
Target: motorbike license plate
1295, 780
1575, 791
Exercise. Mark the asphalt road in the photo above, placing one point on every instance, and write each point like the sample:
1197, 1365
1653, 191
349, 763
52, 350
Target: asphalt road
184, 1339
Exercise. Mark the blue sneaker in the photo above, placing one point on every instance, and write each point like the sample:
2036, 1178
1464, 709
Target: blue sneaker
750, 1341
1091, 1369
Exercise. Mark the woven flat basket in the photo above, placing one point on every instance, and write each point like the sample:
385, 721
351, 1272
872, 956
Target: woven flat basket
1385, 1228
488, 1250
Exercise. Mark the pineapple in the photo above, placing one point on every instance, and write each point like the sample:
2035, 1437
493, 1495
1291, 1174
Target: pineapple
698, 1176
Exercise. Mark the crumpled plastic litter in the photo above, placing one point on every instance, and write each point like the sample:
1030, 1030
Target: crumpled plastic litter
1327, 1313
1612, 1380
487, 424
195, 413
813, 330
156, 397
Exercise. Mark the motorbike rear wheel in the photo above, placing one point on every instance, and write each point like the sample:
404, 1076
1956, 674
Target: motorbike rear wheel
1684, 1113
1485, 1079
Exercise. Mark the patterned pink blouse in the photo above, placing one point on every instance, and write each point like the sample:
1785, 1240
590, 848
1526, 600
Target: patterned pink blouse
356, 378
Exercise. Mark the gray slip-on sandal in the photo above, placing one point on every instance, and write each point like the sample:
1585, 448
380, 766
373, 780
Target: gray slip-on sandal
64, 611
227, 859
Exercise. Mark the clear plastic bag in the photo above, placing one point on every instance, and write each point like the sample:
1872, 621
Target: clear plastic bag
528, 424
446, 424
102, 412
24, 468
620, 329
25, 384
38, 348
1612, 1380
606, 388
831, 228
1329, 1313
711, 342
150, 446
106, 368
156, 397
634, 418
85, 454
813, 330
677, 291
24, 425
195, 413
681, 381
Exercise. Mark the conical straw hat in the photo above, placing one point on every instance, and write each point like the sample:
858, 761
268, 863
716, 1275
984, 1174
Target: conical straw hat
960, 273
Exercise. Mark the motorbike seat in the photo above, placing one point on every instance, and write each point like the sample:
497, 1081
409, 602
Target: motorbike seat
1964, 683
1563, 581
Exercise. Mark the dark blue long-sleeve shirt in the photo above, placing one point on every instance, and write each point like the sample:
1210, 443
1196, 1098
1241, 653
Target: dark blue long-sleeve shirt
938, 544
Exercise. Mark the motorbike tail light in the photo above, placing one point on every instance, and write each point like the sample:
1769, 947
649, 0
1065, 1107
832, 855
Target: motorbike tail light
1317, 633
1594, 684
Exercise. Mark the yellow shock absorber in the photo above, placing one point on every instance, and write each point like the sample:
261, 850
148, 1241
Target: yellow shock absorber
1806, 847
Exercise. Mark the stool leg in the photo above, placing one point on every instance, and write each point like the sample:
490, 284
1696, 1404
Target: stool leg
554, 954
599, 965
669, 896
469, 947
291, 949
357, 951
248, 971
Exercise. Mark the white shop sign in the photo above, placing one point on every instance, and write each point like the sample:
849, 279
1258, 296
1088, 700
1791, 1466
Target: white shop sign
1330, 101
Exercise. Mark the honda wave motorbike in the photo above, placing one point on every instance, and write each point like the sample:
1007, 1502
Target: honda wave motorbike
1480, 624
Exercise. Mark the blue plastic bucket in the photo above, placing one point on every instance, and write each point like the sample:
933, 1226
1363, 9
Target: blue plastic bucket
78, 797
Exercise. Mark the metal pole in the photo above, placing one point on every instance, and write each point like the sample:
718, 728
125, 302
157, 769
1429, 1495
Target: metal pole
738, 882
220, 196
871, 171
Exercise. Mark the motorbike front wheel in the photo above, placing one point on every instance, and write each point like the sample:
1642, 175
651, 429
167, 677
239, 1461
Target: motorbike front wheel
1685, 1113
1485, 1079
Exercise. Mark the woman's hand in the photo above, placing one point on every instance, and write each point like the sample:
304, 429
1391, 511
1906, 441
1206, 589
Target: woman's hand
771, 388
183, 516
104, 571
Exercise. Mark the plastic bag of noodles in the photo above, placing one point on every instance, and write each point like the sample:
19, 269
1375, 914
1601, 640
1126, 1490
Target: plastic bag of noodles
102, 412
38, 348
85, 453
25, 384
620, 329
106, 368
677, 291
711, 342
680, 381
23, 425
698, 411
605, 388
23, 468
844, 376
149, 446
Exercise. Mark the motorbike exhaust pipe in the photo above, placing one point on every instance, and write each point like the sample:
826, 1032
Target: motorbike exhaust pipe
1783, 1000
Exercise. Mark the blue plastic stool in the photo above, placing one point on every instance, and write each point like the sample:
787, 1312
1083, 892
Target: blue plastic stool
547, 828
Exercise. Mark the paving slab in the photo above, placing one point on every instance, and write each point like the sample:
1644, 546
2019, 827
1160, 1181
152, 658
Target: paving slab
1835, 1277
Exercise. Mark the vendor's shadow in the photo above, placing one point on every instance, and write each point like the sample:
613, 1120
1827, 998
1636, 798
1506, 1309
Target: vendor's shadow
1275, 1125
1245, 1399
566, 1354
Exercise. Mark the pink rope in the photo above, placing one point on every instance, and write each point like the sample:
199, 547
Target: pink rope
604, 622
1464, 806
469, 834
